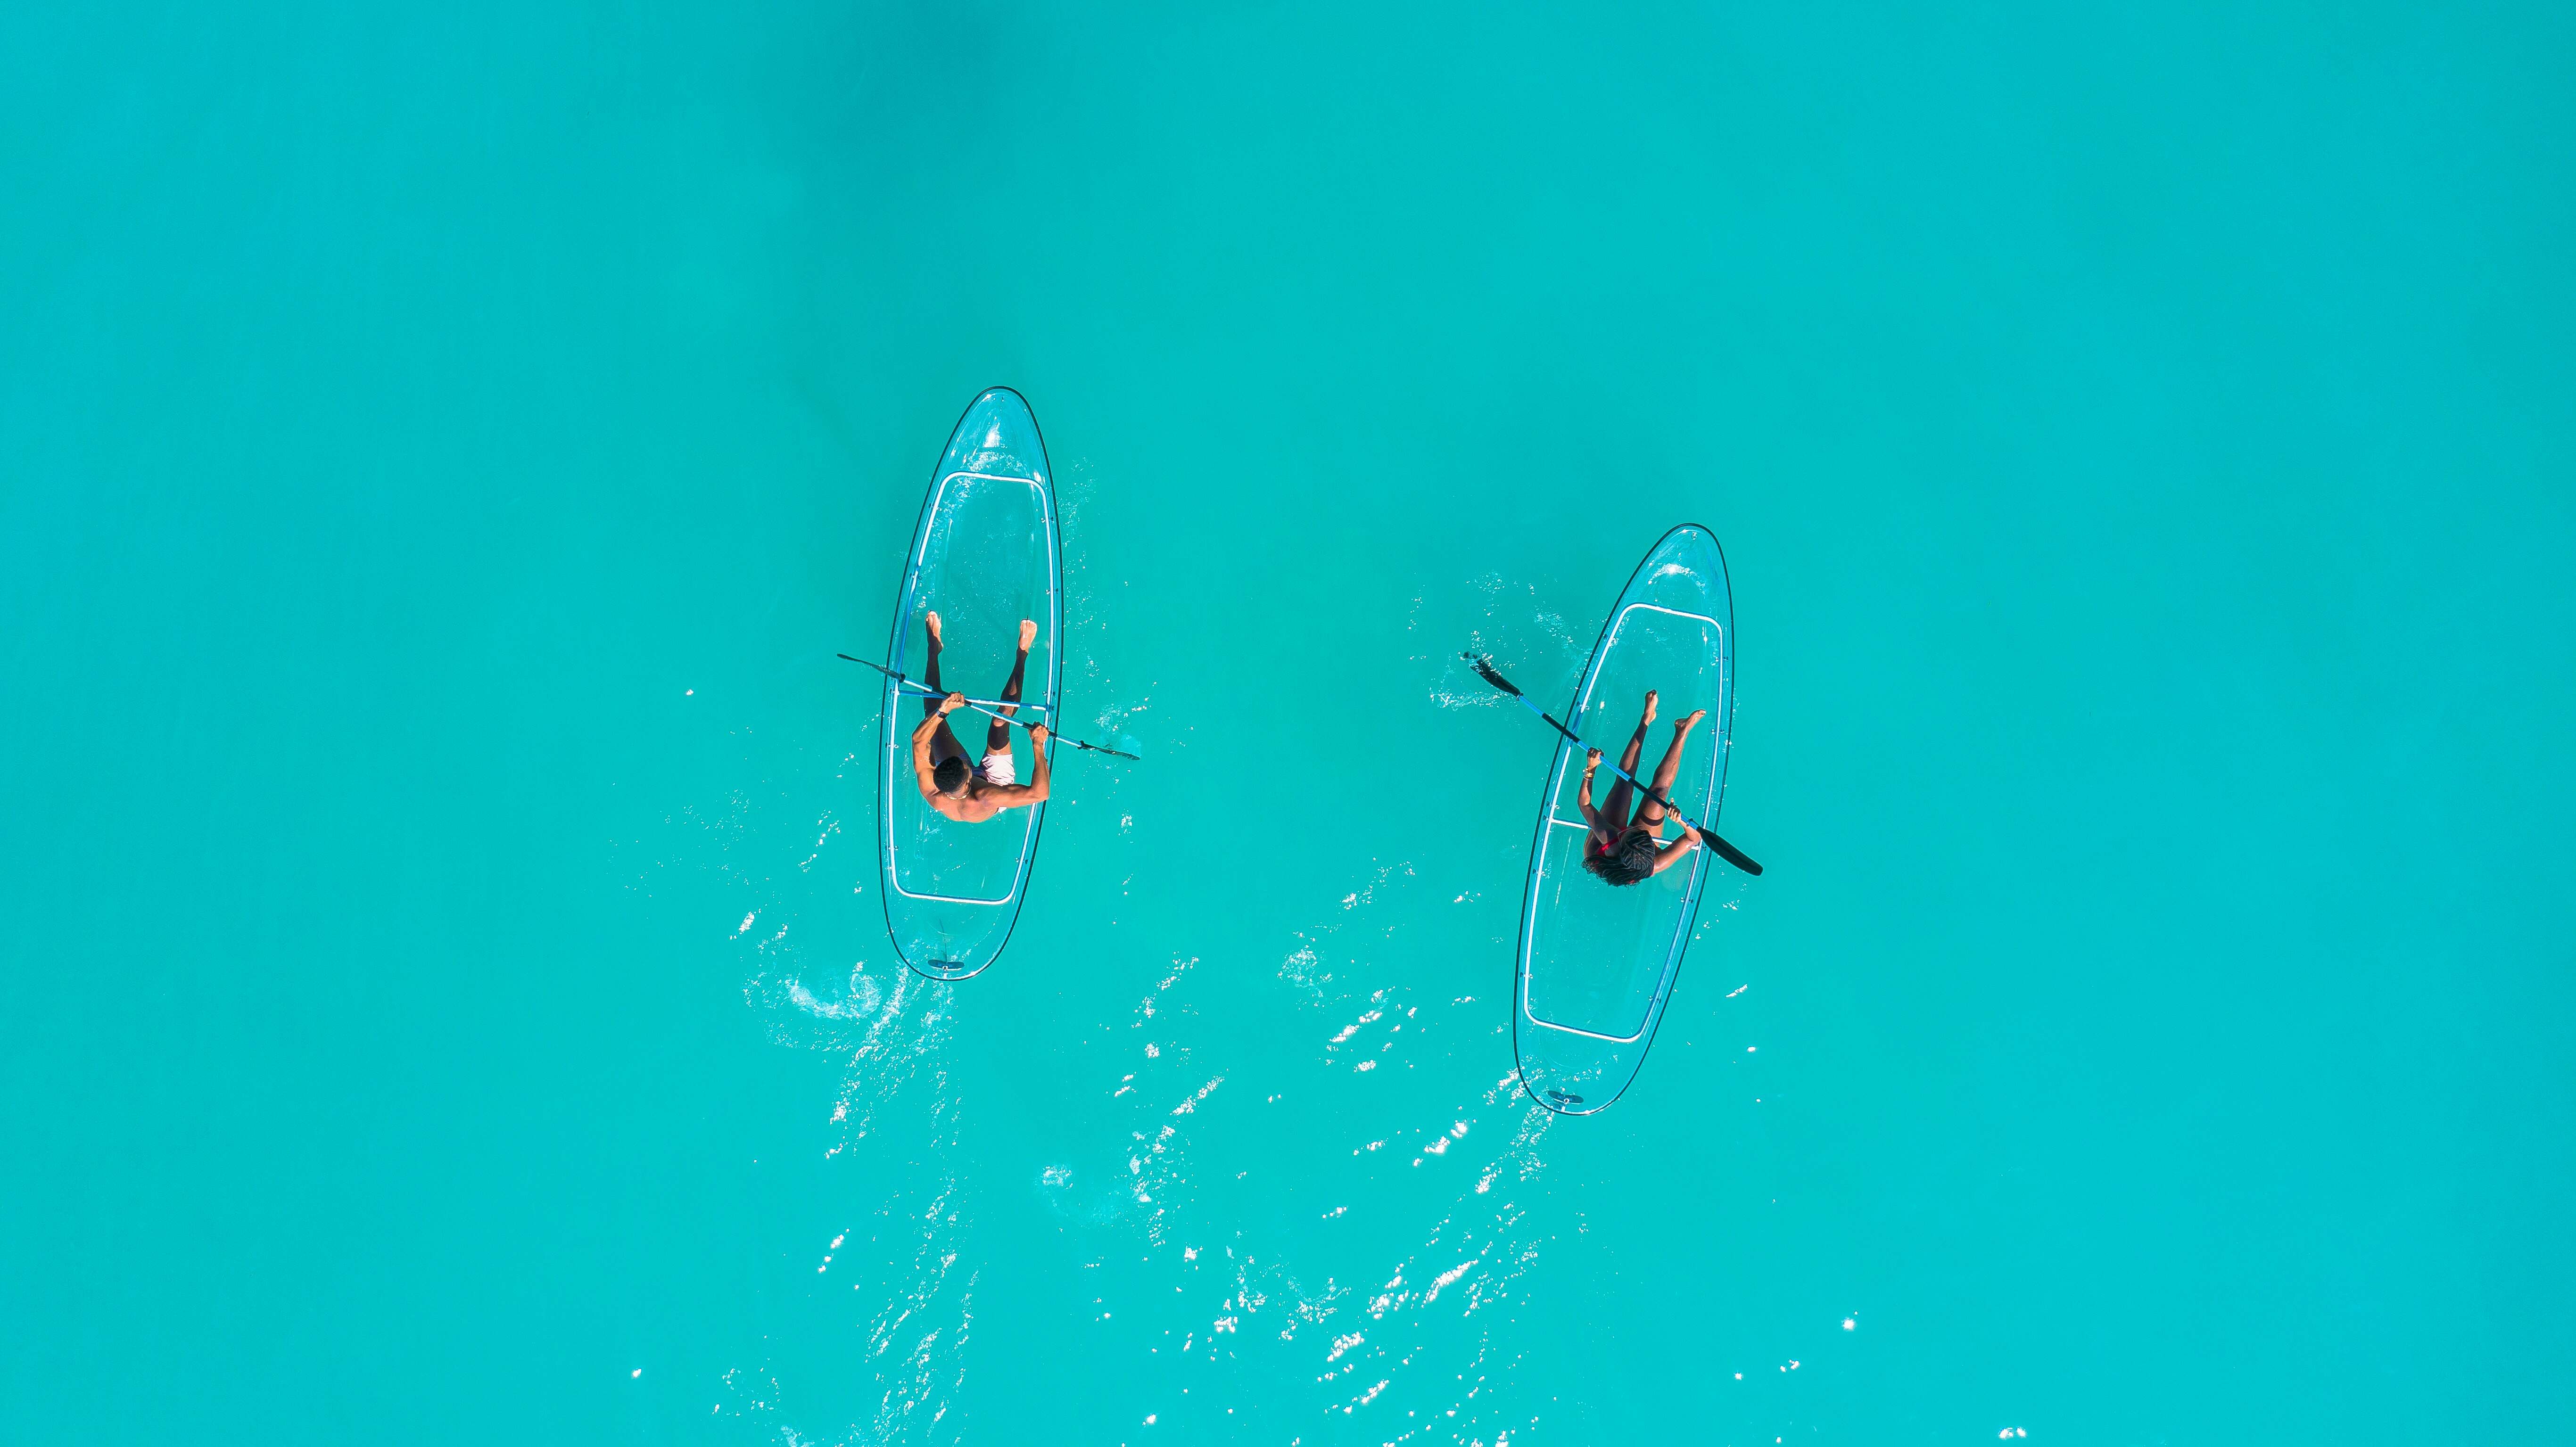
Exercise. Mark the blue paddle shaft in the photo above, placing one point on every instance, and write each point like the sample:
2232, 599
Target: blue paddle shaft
926, 692
906, 685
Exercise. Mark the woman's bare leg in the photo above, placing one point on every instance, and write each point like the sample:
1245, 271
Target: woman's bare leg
998, 737
1670, 768
1616, 806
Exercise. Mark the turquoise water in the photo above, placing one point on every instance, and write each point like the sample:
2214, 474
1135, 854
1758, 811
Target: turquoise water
441, 452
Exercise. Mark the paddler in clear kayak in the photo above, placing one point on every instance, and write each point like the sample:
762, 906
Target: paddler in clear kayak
973, 793
1625, 849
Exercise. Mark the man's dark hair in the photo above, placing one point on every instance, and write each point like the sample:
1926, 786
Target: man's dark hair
951, 774
1632, 862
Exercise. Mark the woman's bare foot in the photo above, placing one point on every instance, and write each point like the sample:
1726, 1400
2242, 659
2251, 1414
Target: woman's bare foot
930, 621
1650, 709
1684, 726
1028, 634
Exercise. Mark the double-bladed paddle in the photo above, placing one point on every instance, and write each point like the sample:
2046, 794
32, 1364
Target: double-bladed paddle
1725, 851
926, 691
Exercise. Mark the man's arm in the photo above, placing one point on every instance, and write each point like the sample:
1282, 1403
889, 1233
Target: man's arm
1038, 745
1016, 796
921, 736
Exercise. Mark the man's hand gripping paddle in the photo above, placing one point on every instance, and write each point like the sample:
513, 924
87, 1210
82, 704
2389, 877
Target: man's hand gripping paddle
1725, 851
908, 686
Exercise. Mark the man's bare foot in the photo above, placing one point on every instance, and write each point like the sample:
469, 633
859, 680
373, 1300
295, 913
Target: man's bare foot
930, 621
1650, 709
1028, 634
1686, 725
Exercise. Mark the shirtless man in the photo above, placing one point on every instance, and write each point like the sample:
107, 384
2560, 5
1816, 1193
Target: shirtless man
971, 794
1625, 850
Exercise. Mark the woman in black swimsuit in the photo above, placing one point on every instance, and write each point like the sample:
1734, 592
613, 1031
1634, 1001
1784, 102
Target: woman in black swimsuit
1624, 849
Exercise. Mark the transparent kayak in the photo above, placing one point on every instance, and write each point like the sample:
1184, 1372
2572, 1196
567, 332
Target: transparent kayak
1597, 961
984, 556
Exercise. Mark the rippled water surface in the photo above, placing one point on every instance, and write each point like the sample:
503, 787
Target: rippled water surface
447, 997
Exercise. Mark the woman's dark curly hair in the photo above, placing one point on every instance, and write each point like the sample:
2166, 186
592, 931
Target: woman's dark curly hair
1632, 861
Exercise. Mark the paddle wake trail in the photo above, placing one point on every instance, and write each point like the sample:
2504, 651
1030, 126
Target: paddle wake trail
1499, 618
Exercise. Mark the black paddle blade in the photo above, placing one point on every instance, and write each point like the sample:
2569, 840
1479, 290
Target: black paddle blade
1490, 676
1729, 852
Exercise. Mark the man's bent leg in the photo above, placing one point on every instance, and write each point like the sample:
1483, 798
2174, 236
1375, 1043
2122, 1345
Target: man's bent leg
944, 746
930, 671
998, 737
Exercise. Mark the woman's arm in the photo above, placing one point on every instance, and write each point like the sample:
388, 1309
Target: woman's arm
1675, 850
1583, 796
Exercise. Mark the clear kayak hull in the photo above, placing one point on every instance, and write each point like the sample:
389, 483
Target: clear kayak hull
1598, 961
984, 556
